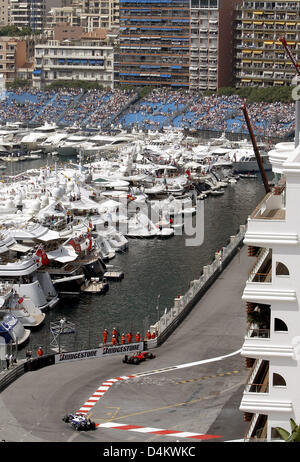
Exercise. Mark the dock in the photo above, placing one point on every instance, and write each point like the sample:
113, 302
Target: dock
95, 286
115, 275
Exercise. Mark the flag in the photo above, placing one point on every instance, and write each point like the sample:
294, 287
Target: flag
76, 246
43, 257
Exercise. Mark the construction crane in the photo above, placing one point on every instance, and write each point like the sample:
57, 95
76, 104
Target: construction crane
256, 151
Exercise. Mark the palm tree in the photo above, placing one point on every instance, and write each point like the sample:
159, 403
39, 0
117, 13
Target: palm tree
294, 436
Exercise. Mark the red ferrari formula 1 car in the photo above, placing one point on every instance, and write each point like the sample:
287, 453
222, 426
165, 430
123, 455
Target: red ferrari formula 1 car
138, 357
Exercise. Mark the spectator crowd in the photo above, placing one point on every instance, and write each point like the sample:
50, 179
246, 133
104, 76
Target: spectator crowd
162, 107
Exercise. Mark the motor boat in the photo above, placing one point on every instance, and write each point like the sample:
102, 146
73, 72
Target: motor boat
22, 308
28, 282
70, 146
12, 331
141, 227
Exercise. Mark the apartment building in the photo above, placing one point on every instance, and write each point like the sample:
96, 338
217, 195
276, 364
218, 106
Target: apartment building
4, 16
16, 53
63, 15
89, 59
154, 42
99, 14
260, 56
28, 13
212, 43
271, 294
185, 43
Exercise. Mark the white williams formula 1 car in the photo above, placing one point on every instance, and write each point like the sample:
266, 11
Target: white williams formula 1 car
79, 422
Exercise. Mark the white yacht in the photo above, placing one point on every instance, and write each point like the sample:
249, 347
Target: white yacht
29, 283
12, 331
141, 227
33, 140
52, 142
70, 145
22, 308
247, 162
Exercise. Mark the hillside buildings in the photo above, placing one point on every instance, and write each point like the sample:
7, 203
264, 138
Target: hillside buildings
27, 13
16, 58
178, 43
192, 44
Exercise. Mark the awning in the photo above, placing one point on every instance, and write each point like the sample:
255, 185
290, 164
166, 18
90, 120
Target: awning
246, 80
49, 236
19, 248
64, 254
37, 72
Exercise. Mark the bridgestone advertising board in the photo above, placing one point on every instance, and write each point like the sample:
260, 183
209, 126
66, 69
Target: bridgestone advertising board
106, 351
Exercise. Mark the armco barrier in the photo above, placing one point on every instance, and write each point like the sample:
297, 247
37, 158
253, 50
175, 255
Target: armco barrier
18, 370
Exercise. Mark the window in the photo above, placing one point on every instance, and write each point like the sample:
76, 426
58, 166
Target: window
281, 269
279, 325
278, 380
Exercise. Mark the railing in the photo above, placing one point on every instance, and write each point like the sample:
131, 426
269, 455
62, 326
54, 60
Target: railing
260, 333
257, 388
262, 277
255, 368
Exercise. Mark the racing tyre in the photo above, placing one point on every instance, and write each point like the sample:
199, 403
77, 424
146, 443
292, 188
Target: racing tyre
151, 356
66, 419
136, 361
92, 426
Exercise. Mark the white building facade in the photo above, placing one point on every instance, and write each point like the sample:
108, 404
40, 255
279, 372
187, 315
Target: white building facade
272, 295
77, 61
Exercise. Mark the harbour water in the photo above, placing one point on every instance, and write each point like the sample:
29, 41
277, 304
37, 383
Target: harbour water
156, 271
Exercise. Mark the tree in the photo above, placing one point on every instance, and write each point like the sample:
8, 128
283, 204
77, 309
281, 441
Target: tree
294, 436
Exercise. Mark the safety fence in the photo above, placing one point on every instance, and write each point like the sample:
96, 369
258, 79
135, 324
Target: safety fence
183, 304
9, 376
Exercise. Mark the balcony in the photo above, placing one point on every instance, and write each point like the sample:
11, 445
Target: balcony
254, 333
267, 223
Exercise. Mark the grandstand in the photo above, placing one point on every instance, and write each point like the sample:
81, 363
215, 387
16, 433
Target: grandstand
99, 109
